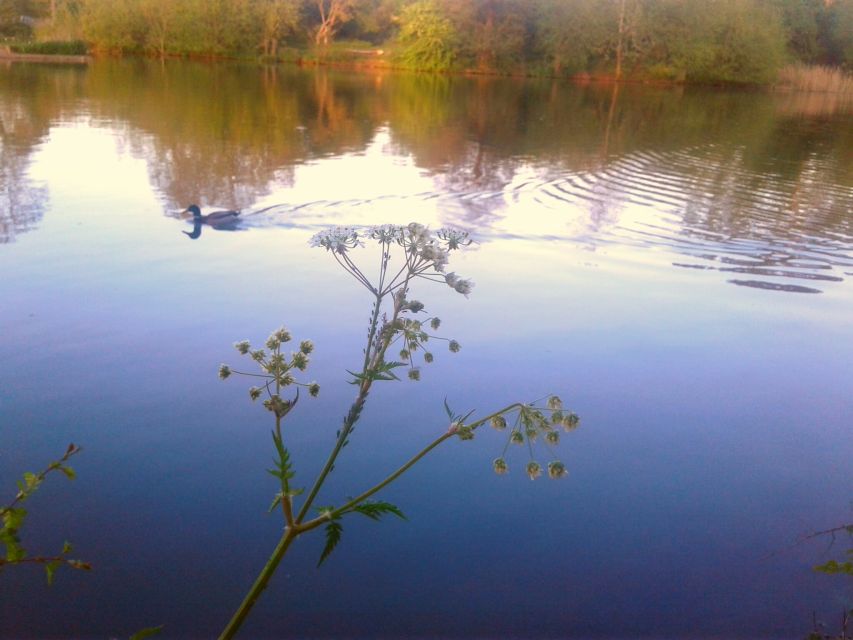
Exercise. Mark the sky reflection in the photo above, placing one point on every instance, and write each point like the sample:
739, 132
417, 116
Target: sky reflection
715, 417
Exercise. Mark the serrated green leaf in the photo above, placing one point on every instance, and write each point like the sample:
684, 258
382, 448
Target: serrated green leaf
333, 536
146, 633
375, 510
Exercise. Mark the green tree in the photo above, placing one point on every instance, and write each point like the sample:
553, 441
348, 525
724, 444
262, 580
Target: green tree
276, 19
113, 25
427, 36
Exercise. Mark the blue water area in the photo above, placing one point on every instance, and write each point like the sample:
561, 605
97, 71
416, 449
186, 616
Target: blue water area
680, 279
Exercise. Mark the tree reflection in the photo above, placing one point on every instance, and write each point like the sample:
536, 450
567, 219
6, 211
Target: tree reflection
728, 165
26, 110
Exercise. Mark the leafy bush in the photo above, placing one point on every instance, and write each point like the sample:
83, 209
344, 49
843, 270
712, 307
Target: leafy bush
71, 48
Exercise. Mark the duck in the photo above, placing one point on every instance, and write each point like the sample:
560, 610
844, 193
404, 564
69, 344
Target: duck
215, 218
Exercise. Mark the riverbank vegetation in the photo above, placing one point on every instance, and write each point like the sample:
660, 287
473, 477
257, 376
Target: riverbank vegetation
721, 41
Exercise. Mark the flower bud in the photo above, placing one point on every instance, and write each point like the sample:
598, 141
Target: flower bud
283, 335
415, 374
454, 346
570, 422
255, 393
556, 470
554, 403
243, 346
516, 437
313, 389
306, 347
435, 323
224, 371
499, 465
553, 437
428, 358
299, 360
498, 423
533, 470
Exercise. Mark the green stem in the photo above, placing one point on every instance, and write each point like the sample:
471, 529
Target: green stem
260, 584
354, 412
316, 522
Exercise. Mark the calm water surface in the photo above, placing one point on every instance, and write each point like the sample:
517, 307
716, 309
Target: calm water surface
676, 263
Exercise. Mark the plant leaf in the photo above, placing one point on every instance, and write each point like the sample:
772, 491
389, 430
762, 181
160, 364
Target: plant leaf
50, 569
375, 510
276, 501
146, 633
333, 536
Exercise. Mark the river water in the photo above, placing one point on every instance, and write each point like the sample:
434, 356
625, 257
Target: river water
676, 263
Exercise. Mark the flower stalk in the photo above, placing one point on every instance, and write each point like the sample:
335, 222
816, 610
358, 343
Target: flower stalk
405, 254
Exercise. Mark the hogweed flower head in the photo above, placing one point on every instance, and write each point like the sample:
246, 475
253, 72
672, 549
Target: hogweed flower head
337, 239
386, 233
276, 370
530, 423
426, 253
455, 238
500, 466
454, 346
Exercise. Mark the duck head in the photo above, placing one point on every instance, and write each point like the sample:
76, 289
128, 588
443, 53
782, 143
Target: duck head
193, 209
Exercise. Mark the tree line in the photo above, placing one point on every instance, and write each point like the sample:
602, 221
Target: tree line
682, 40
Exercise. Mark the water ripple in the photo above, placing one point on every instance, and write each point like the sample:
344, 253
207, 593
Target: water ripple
704, 203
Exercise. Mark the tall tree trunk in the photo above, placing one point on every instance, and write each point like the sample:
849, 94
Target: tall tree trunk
620, 42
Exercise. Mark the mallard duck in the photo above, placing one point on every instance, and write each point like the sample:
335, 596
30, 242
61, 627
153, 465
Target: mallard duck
215, 218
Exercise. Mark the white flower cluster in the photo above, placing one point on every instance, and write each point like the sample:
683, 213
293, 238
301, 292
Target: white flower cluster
337, 239
459, 284
426, 250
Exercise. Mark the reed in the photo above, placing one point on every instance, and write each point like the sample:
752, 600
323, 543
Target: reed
816, 79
